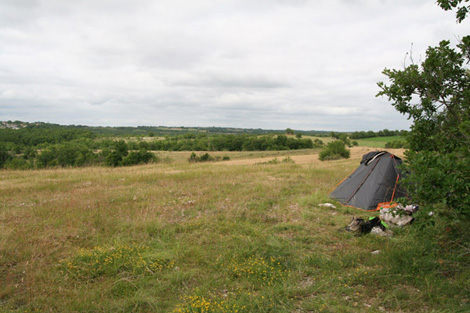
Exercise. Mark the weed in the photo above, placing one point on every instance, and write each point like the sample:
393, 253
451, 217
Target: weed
266, 271
239, 301
112, 260
197, 303
286, 160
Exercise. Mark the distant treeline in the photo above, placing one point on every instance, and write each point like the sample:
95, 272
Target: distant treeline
34, 135
380, 133
154, 131
71, 154
41, 137
244, 142
41, 145
46, 145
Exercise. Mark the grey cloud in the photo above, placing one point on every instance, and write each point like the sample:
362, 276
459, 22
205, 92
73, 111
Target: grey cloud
230, 81
271, 64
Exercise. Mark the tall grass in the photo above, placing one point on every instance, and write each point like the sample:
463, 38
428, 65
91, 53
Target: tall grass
180, 237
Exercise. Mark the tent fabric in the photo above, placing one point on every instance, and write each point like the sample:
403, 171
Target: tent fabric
374, 181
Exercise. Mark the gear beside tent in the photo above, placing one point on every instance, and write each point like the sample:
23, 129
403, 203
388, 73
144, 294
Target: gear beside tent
374, 184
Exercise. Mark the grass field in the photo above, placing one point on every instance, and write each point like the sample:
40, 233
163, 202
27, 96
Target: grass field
378, 142
213, 237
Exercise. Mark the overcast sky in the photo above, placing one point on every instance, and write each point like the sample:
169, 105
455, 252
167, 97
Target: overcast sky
307, 65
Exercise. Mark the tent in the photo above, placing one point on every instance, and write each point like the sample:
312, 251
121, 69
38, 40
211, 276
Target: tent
373, 184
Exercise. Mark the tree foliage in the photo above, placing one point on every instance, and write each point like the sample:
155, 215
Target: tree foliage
462, 10
436, 96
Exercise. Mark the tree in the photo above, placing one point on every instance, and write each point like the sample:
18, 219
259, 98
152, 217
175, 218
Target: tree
47, 158
4, 155
289, 131
121, 147
121, 150
436, 96
462, 11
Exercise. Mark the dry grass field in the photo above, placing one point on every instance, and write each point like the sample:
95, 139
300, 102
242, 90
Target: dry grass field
244, 235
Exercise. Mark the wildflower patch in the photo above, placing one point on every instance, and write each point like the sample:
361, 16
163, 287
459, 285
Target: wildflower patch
111, 260
265, 270
198, 304
238, 301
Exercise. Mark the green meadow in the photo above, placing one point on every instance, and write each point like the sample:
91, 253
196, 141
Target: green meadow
378, 142
228, 236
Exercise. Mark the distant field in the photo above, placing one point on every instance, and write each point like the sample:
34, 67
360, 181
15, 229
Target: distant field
378, 142
217, 237
324, 139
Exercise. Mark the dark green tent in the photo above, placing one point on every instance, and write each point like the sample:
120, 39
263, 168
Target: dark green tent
373, 184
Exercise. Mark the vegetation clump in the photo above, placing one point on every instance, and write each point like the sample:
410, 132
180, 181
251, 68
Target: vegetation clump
435, 96
286, 160
397, 144
439, 140
198, 303
263, 270
334, 150
100, 261
206, 157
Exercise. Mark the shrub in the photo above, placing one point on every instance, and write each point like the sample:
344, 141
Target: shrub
18, 164
206, 157
396, 144
318, 143
113, 159
140, 157
334, 151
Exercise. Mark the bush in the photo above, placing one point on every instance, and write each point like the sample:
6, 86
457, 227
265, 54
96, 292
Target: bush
396, 144
18, 164
140, 157
113, 159
334, 151
439, 179
206, 157
318, 143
